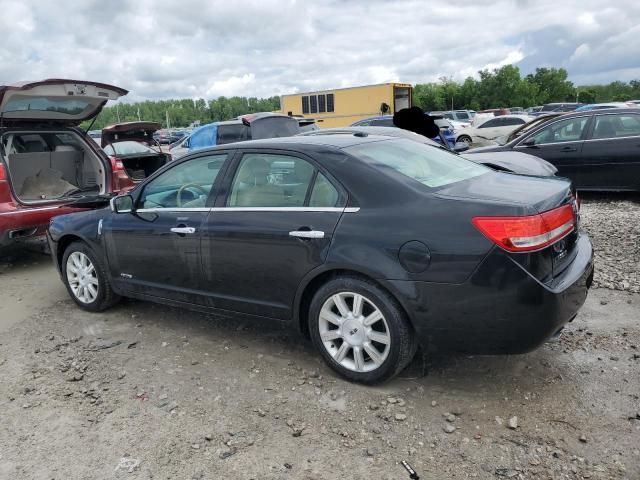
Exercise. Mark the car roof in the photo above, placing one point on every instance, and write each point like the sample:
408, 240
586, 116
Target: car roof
600, 112
303, 142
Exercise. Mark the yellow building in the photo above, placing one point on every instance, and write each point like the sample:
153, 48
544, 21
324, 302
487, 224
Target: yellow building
343, 106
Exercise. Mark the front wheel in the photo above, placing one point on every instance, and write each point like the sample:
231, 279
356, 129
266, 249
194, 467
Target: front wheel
360, 330
464, 139
86, 279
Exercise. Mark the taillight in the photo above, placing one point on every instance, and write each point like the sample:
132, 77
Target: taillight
116, 164
532, 232
3, 173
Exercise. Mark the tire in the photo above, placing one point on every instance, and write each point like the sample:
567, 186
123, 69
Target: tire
86, 279
357, 349
464, 139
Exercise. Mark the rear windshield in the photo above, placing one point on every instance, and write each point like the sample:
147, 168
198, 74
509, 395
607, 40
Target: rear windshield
274, 127
431, 166
63, 106
232, 133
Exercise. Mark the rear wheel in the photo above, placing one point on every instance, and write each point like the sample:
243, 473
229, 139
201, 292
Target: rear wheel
360, 330
86, 279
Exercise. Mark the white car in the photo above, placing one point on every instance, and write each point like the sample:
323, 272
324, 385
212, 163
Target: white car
485, 132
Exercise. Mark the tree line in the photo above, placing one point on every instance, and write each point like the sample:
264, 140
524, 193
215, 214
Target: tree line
500, 87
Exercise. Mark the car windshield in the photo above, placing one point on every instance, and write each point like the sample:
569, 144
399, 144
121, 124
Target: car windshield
123, 149
431, 166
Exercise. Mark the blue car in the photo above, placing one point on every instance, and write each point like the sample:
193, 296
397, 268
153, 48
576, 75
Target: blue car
387, 121
247, 127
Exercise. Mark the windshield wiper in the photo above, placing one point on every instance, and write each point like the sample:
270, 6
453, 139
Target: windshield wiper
77, 190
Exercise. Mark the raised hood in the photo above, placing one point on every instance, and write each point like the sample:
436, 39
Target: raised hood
59, 100
130, 131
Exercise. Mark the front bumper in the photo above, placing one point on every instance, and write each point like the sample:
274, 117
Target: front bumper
505, 310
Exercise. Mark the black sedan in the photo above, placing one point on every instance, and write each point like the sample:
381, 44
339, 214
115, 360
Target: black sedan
596, 149
370, 245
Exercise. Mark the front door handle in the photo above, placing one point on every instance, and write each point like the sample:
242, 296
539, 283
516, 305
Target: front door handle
183, 230
307, 234
569, 149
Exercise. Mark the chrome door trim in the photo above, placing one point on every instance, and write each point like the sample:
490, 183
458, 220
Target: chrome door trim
252, 209
611, 138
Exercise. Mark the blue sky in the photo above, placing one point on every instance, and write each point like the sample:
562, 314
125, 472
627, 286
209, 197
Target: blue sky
207, 48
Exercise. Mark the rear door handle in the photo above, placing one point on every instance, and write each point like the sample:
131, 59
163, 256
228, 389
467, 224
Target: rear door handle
569, 149
307, 234
183, 230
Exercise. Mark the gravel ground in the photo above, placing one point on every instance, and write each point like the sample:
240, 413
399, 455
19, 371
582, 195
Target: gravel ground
144, 391
613, 222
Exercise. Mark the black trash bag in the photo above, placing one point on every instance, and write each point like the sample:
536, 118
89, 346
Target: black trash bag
415, 120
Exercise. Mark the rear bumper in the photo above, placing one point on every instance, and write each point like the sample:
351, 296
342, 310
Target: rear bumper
508, 311
28, 222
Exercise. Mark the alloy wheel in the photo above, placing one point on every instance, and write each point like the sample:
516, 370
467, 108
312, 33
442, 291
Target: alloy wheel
82, 277
354, 332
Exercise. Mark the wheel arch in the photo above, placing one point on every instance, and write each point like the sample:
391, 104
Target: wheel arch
64, 242
317, 278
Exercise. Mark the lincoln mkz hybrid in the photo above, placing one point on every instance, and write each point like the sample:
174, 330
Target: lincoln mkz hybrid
372, 246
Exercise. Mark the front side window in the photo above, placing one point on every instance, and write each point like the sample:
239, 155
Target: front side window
613, 126
569, 130
494, 122
431, 166
508, 122
187, 185
271, 180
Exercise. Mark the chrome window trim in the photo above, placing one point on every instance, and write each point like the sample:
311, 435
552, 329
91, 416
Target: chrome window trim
252, 209
551, 143
610, 138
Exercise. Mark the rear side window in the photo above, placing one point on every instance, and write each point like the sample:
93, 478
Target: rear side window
271, 180
431, 166
512, 121
614, 126
323, 194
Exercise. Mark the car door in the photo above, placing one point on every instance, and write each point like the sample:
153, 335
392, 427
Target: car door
611, 153
560, 143
155, 249
273, 226
484, 133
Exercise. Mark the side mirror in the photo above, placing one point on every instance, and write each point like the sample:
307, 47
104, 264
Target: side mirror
122, 204
529, 142
460, 147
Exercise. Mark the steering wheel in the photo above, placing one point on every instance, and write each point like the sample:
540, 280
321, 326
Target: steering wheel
184, 187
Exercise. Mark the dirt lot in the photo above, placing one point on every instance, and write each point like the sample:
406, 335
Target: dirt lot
145, 391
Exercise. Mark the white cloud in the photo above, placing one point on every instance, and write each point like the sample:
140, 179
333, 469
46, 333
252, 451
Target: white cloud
205, 48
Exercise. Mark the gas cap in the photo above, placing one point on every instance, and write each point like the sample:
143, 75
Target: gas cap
414, 256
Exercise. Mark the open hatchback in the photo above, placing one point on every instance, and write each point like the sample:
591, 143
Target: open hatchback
134, 149
47, 163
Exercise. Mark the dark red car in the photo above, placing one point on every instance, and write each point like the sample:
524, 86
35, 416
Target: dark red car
49, 166
131, 146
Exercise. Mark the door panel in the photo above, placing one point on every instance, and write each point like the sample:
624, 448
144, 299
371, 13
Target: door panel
252, 263
612, 154
260, 241
145, 256
560, 143
155, 250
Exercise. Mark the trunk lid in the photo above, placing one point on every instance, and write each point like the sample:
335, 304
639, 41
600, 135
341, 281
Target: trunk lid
532, 194
131, 131
63, 101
